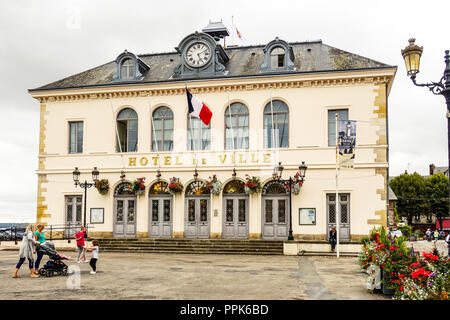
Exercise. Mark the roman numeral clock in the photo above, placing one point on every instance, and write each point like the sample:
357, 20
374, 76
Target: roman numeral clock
201, 55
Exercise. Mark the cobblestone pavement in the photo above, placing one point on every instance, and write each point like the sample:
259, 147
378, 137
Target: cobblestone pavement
210, 277
183, 276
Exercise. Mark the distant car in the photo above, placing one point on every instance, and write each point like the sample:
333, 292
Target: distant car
395, 233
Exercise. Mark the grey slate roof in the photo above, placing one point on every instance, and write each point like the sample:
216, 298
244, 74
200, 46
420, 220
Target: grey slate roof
392, 195
310, 57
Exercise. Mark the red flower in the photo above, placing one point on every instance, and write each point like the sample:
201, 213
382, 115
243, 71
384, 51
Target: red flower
392, 248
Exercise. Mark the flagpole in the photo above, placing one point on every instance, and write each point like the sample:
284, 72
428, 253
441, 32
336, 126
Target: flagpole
192, 136
154, 133
271, 112
232, 30
337, 189
231, 126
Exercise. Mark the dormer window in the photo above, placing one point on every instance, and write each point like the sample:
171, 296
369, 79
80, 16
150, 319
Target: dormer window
277, 56
127, 69
130, 67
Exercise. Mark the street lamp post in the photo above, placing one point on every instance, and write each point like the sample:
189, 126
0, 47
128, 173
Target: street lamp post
85, 185
299, 177
411, 54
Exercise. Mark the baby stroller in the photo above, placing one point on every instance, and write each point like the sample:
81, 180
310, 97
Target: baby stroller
55, 264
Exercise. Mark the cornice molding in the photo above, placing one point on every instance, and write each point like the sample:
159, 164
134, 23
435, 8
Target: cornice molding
120, 92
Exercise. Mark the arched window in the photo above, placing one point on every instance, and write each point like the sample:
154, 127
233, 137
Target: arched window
234, 187
159, 188
279, 112
197, 188
199, 134
236, 126
162, 133
277, 58
127, 128
127, 69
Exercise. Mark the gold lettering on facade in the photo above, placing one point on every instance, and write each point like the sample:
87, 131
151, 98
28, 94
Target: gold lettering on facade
241, 159
177, 161
144, 161
266, 157
194, 161
253, 158
167, 160
203, 161
132, 162
233, 158
155, 160
222, 159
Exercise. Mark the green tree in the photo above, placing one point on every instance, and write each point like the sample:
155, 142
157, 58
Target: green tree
436, 192
410, 190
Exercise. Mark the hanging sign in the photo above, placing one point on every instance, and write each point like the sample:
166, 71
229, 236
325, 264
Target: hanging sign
346, 144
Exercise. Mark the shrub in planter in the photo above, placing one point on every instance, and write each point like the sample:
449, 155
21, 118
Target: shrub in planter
175, 186
102, 186
252, 184
214, 185
138, 186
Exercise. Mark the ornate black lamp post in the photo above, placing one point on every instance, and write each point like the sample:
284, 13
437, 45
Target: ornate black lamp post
300, 177
411, 54
85, 185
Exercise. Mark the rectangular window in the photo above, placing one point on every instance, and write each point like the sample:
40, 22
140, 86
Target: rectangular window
76, 137
343, 115
344, 204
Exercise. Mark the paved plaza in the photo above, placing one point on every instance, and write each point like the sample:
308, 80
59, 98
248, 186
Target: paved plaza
192, 276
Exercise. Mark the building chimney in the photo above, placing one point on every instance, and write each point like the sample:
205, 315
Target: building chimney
432, 167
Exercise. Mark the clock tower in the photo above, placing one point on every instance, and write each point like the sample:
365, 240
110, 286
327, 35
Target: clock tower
202, 55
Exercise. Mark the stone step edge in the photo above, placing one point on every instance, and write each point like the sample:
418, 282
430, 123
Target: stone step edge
196, 252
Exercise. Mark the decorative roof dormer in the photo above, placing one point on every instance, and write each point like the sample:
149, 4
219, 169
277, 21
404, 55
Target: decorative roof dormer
279, 57
201, 56
130, 67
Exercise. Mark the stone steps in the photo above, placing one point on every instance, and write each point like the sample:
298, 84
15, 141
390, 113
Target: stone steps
200, 246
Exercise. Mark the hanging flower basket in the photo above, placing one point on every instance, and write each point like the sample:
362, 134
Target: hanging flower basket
102, 186
137, 187
297, 184
175, 186
252, 184
214, 185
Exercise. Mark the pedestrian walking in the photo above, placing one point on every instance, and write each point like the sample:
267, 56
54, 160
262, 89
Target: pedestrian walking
26, 251
40, 239
79, 236
94, 256
428, 234
333, 238
436, 235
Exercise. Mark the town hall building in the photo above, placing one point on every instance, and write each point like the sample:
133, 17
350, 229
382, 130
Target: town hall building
272, 103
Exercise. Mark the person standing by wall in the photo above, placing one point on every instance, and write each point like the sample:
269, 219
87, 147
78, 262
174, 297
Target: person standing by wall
27, 248
333, 238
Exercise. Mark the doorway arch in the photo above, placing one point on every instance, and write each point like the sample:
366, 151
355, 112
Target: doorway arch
197, 222
275, 215
160, 210
124, 212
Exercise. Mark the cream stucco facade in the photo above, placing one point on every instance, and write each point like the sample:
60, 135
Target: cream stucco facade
308, 96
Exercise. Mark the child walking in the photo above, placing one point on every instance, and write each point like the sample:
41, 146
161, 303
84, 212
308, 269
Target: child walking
94, 256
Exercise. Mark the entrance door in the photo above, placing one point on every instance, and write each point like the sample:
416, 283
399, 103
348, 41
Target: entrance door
197, 218
275, 217
236, 218
344, 206
73, 215
125, 217
161, 217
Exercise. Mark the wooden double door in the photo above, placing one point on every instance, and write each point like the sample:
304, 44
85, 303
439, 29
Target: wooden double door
160, 217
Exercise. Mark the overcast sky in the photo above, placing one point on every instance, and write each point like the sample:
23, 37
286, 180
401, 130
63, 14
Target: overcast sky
44, 41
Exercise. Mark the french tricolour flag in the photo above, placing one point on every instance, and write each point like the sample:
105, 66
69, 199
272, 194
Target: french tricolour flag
198, 109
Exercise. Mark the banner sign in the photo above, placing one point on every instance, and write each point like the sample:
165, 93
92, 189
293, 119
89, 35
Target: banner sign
346, 143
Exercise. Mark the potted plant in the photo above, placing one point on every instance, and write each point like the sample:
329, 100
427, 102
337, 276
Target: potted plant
102, 186
214, 185
175, 186
252, 184
138, 186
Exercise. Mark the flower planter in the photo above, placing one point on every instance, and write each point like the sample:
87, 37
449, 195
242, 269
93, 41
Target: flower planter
386, 291
249, 191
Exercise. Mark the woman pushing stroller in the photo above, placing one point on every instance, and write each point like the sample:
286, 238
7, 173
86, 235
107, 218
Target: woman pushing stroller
27, 249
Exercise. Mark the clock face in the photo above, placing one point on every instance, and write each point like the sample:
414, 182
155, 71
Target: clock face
198, 54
